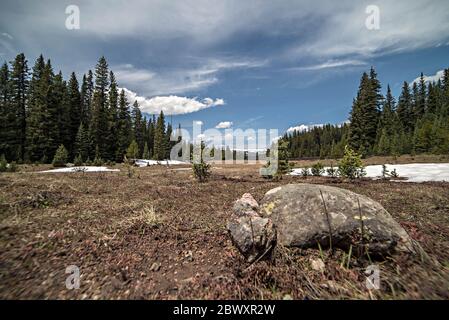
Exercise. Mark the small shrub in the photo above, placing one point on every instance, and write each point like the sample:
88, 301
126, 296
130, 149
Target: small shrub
201, 170
61, 156
3, 163
351, 166
305, 172
133, 151
88, 162
78, 160
394, 174
331, 171
98, 162
12, 167
385, 172
317, 169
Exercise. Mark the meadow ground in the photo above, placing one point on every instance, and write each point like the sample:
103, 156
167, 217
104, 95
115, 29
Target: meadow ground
160, 235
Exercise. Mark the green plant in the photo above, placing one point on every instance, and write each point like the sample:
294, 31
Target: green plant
133, 151
394, 174
201, 170
331, 171
12, 167
60, 158
78, 161
3, 163
351, 166
317, 169
98, 161
385, 172
305, 172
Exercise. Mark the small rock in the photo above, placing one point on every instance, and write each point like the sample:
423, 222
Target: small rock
156, 266
287, 297
317, 264
246, 205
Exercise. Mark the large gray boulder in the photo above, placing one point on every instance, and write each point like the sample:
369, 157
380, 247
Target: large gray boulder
254, 236
306, 214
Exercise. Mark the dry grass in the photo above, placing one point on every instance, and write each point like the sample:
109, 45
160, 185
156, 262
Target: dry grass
116, 228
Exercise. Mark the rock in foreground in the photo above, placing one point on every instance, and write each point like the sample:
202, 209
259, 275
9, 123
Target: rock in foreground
254, 236
305, 215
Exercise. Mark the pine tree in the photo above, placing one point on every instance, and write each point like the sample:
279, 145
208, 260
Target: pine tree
81, 146
19, 87
404, 109
60, 104
99, 120
124, 127
160, 145
74, 106
421, 100
112, 137
132, 152
37, 108
146, 152
138, 126
5, 109
86, 95
151, 131
61, 157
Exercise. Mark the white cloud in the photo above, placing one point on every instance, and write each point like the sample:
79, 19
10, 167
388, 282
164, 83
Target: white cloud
343, 34
331, 64
224, 125
199, 123
172, 105
7, 35
303, 127
178, 80
433, 78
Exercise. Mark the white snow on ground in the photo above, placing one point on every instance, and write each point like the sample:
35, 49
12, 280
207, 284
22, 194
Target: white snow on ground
81, 169
414, 172
144, 163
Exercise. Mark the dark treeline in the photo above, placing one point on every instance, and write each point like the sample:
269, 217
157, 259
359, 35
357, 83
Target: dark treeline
39, 111
417, 122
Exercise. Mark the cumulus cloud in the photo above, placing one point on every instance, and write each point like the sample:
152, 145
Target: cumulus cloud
303, 127
172, 105
433, 78
224, 125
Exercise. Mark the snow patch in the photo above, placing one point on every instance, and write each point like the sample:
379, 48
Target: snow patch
81, 169
414, 172
144, 163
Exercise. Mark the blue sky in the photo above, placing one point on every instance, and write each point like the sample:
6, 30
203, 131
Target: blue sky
255, 64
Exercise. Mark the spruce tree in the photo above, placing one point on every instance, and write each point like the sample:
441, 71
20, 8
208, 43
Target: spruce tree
86, 95
17, 115
146, 152
5, 109
99, 120
404, 109
138, 127
74, 106
160, 140
112, 137
81, 146
124, 127
37, 108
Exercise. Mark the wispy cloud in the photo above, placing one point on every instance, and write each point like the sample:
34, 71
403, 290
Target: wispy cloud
330, 64
7, 35
178, 80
